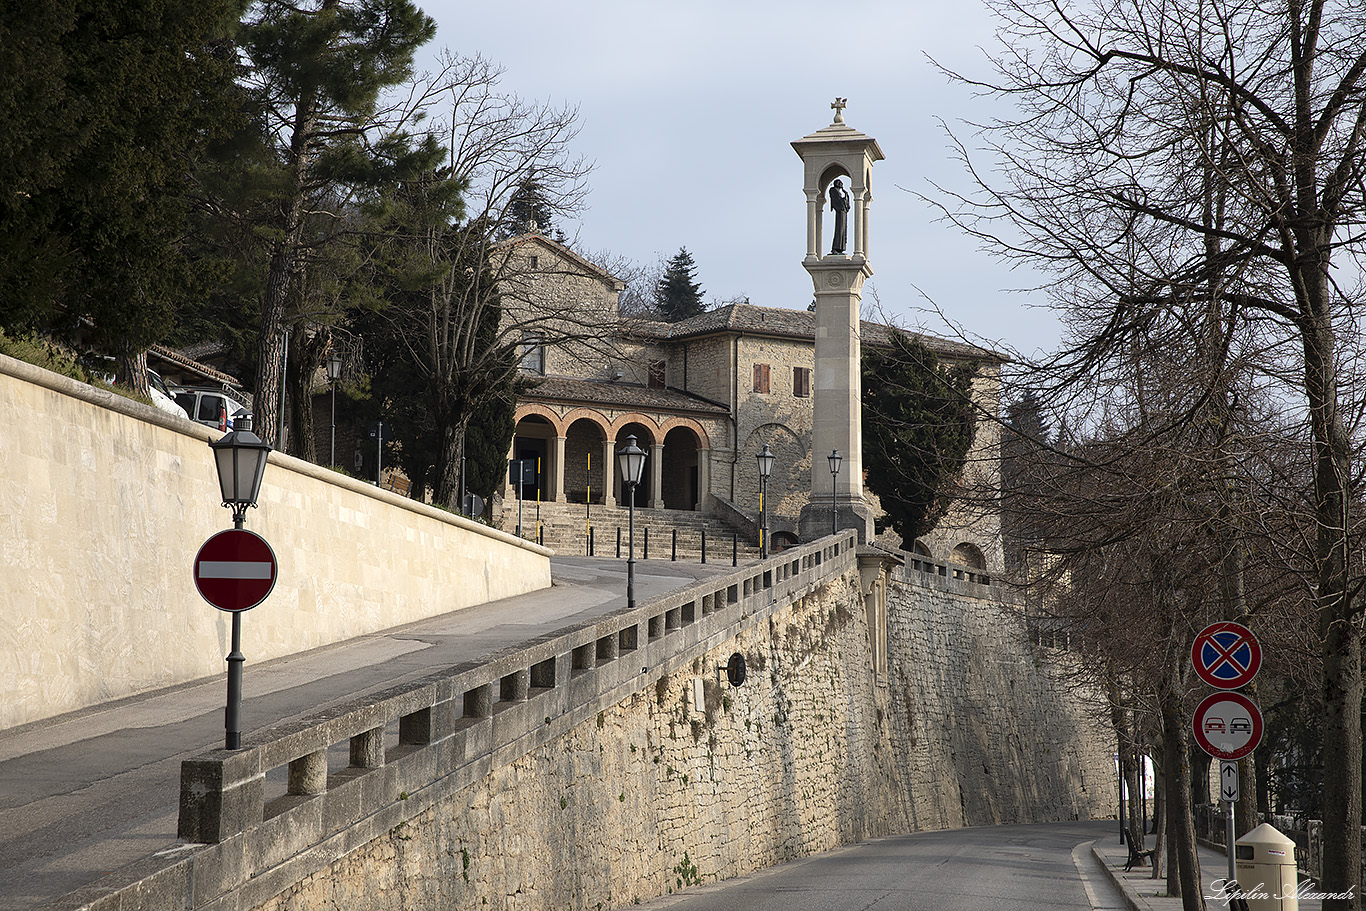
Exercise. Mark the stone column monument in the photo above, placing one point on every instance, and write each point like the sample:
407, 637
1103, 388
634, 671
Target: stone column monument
832, 157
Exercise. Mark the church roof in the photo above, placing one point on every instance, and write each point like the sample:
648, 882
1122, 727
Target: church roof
800, 324
559, 249
625, 395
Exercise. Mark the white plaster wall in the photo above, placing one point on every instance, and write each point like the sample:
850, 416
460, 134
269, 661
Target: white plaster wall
105, 502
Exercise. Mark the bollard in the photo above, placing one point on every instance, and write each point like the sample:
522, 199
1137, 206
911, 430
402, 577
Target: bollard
673, 546
645, 552
734, 549
590, 542
540, 535
618, 542
704, 545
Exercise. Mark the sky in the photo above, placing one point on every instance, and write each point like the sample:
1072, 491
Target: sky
688, 110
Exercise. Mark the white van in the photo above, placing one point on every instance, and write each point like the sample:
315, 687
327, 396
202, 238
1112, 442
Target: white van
210, 407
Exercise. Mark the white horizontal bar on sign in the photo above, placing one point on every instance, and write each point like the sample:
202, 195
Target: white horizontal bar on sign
210, 569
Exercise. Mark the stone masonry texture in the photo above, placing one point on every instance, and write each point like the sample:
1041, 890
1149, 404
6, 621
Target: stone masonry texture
691, 780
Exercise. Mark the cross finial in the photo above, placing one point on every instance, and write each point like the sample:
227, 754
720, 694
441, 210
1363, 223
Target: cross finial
839, 106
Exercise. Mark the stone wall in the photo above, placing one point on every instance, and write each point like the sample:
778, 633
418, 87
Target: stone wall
104, 503
689, 780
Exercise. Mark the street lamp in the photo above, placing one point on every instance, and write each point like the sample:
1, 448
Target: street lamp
765, 460
334, 364
241, 460
834, 459
632, 459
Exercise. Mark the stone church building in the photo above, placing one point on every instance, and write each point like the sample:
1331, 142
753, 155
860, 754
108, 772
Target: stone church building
702, 397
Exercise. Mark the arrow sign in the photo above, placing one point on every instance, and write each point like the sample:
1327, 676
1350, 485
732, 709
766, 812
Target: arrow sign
1228, 781
1226, 655
235, 570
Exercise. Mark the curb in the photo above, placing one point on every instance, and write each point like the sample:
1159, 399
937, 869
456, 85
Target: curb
1132, 899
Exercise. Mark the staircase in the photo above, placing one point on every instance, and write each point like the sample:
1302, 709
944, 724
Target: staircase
563, 529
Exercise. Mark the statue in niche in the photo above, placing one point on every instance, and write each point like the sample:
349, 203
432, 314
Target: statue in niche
839, 202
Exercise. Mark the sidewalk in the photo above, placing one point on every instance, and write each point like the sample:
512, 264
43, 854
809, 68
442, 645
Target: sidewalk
86, 793
1142, 893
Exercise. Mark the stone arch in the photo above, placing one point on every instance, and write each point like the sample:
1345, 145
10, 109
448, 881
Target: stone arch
534, 439
646, 433
921, 549
789, 487
681, 472
969, 554
836, 169
529, 409
648, 424
584, 438
703, 439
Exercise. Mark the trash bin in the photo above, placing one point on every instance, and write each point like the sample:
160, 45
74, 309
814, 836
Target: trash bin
1265, 862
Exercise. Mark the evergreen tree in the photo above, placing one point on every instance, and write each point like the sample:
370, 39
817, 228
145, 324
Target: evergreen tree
106, 109
528, 208
677, 292
317, 71
918, 425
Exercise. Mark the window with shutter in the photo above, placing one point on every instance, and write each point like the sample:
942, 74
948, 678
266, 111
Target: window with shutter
761, 377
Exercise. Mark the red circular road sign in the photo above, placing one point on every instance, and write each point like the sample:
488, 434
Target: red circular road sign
1227, 725
235, 570
1226, 655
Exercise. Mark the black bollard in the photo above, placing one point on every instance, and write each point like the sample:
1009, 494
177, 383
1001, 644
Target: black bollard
645, 553
673, 546
618, 542
590, 542
704, 545
734, 549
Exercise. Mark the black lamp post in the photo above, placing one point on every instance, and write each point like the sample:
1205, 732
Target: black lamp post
765, 460
834, 459
241, 460
334, 365
632, 459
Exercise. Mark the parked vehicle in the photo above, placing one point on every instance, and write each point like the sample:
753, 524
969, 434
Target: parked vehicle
162, 397
212, 407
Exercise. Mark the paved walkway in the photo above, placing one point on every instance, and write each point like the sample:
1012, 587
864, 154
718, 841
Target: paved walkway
1143, 893
84, 794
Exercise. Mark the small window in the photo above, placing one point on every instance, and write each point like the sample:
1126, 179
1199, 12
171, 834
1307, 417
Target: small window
657, 375
533, 354
801, 382
761, 377
534, 261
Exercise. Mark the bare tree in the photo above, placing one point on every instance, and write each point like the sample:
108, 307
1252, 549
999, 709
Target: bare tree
1135, 118
470, 296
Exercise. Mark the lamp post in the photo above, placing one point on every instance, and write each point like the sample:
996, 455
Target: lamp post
334, 364
765, 460
240, 457
632, 459
834, 459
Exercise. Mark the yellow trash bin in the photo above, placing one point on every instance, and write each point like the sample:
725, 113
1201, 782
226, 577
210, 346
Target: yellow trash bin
1265, 862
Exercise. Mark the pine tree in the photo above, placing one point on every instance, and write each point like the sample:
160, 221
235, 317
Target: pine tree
317, 70
677, 293
528, 210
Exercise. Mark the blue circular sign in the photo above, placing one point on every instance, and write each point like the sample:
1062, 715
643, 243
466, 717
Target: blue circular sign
1226, 655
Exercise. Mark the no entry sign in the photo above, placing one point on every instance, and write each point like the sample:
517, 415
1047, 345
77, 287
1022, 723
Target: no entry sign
1226, 655
235, 570
1228, 726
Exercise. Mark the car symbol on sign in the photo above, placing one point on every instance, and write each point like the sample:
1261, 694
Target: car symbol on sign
1240, 726
1214, 725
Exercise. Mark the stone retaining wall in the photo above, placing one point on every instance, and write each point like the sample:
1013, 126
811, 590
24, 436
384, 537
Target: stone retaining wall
104, 503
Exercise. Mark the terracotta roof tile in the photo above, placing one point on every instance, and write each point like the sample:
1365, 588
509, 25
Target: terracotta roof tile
626, 395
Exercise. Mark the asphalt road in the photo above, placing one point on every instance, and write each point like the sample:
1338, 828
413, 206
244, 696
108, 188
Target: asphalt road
1046, 867
84, 794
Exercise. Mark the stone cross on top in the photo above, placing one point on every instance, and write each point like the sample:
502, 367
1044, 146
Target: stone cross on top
839, 105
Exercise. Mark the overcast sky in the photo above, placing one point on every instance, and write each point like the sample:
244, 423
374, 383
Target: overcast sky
688, 110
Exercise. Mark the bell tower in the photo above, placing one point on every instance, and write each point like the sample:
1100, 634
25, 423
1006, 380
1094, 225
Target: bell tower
832, 157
